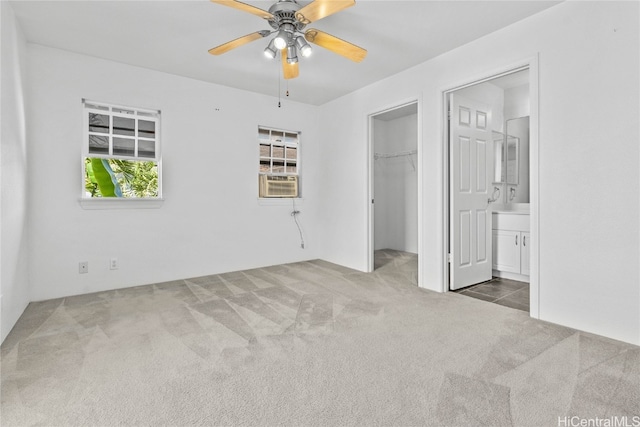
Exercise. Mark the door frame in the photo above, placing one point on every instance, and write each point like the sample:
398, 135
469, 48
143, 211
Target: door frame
370, 232
530, 63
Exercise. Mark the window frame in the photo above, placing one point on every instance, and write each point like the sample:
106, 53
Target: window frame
284, 144
137, 114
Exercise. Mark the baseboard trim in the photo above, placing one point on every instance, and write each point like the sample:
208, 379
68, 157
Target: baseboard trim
510, 276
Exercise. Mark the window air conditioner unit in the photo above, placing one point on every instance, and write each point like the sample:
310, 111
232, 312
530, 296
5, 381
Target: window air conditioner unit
278, 186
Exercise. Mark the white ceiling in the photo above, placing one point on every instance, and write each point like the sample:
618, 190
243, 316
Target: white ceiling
174, 36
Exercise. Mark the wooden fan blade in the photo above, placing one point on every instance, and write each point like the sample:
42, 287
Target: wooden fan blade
245, 8
289, 71
336, 45
319, 9
226, 47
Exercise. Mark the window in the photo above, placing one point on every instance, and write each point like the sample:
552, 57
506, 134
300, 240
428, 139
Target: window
121, 154
279, 163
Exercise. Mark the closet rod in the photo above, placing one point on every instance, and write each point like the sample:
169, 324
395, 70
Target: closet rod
398, 154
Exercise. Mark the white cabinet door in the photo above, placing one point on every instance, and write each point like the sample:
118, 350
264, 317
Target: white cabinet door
506, 250
524, 253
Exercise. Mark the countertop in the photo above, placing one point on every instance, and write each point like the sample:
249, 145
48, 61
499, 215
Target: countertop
512, 209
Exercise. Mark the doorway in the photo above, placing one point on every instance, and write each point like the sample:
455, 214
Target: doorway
393, 179
490, 232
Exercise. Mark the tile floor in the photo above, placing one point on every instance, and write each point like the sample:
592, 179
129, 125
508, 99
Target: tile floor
509, 293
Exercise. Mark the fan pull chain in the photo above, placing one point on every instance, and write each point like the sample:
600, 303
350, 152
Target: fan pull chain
279, 78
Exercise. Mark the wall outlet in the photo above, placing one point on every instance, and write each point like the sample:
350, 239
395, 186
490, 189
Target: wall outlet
83, 267
113, 264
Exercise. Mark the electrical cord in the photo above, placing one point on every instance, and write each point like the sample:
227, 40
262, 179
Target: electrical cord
294, 214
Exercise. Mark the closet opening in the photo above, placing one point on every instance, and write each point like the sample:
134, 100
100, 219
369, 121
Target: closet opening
393, 180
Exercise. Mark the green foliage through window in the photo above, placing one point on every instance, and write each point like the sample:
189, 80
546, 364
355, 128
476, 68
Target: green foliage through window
120, 178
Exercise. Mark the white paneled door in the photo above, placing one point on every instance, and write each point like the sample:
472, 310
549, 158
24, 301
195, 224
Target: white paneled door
470, 168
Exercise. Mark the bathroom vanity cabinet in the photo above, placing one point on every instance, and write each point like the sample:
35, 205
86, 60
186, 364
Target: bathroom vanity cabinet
511, 242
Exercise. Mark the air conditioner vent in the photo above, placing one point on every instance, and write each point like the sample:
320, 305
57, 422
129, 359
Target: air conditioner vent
278, 186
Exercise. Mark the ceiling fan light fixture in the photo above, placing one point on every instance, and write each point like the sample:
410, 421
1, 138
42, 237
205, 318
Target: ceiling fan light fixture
292, 55
270, 50
285, 36
303, 46
288, 19
281, 40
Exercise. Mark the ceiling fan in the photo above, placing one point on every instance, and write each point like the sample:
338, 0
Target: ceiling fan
288, 20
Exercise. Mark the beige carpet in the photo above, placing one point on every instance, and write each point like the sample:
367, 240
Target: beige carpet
308, 343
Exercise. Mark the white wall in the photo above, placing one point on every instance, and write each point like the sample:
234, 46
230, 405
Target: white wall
210, 222
396, 185
588, 139
516, 102
14, 278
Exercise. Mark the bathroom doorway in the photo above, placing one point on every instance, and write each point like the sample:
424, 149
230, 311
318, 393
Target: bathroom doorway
394, 168
489, 232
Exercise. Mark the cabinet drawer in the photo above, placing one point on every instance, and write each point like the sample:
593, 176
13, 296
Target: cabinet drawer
507, 221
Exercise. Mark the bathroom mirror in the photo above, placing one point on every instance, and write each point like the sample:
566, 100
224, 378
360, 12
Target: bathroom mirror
516, 156
512, 159
498, 158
